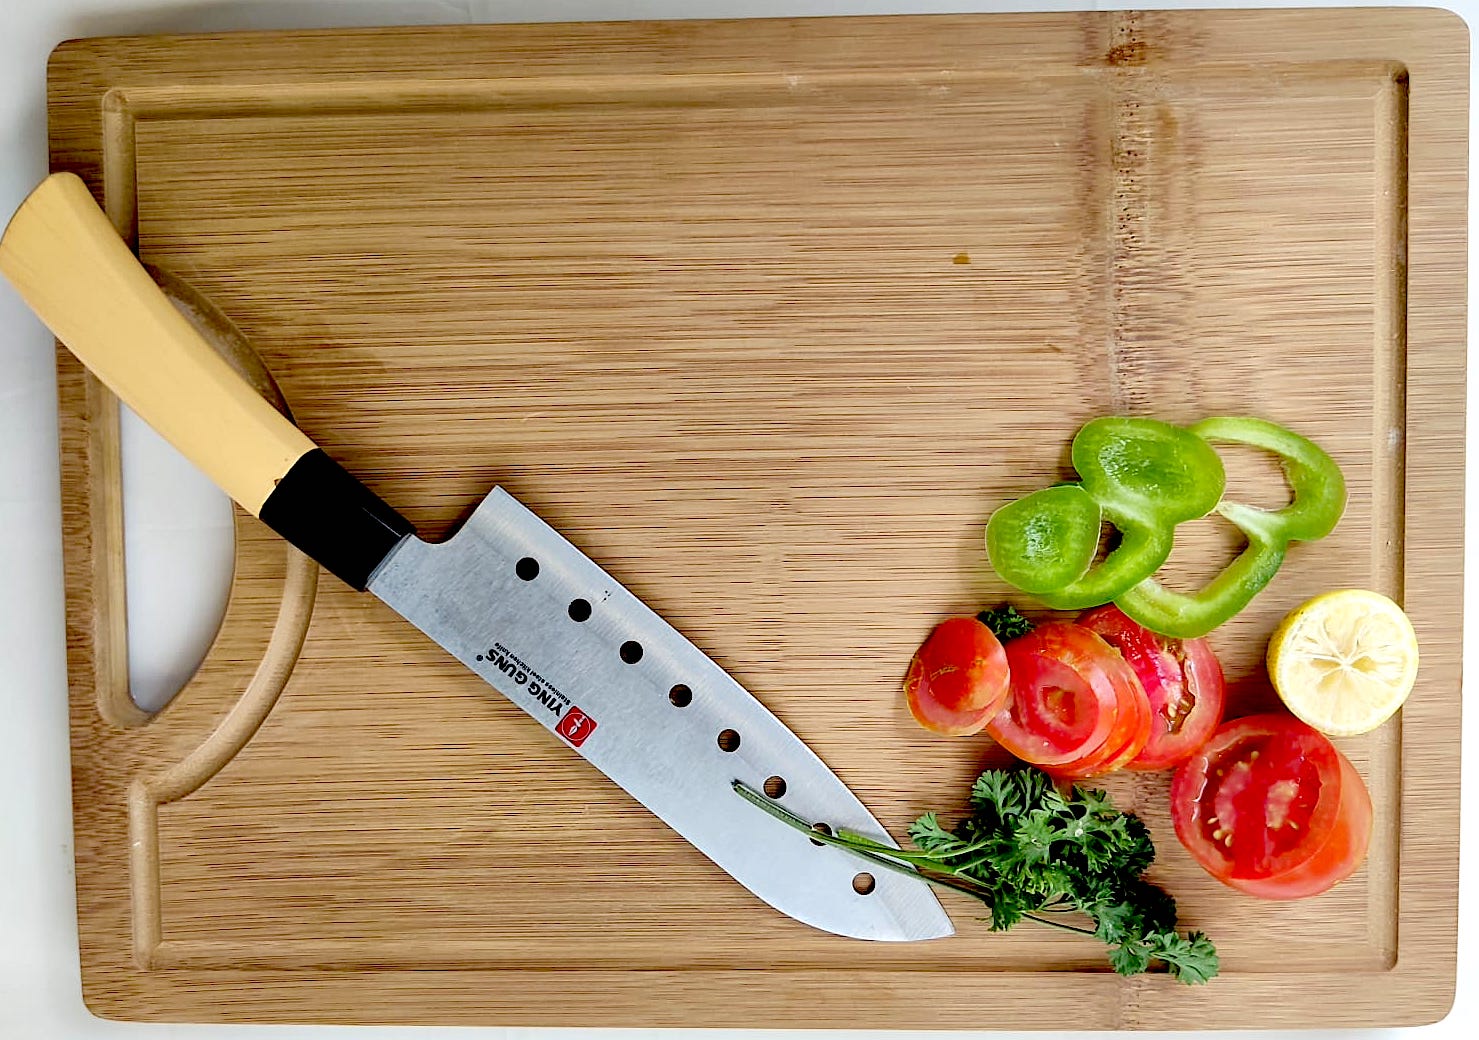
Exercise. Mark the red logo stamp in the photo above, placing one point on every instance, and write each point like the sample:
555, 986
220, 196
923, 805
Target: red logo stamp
576, 726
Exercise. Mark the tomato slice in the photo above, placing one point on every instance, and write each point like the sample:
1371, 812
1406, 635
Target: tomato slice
1270, 807
958, 678
1182, 680
1125, 741
1337, 859
933, 715
1064, 713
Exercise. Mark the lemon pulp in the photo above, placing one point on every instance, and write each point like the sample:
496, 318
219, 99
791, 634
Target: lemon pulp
1345, 661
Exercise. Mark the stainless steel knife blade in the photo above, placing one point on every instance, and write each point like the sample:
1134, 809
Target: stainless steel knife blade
549, 629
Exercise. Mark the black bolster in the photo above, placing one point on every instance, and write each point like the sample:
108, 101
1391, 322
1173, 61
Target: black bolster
334, 518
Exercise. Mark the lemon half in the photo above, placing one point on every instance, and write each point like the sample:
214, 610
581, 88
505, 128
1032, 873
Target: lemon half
1345, 661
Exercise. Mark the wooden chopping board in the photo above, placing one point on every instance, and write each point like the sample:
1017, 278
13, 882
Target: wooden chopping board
766, 317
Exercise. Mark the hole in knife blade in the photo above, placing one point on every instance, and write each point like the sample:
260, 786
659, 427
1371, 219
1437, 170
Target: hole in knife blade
631, 651
729, 740
681, 696
580, 610
862, 884
775, 787
820, 828
527, 568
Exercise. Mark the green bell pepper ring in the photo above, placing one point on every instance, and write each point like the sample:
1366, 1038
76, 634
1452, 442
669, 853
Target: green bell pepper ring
1046, 540
1319, 500
1142, 548
1147, 469
1317, 483
1147, 476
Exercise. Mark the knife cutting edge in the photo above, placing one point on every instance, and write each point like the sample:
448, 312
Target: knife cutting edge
506, 594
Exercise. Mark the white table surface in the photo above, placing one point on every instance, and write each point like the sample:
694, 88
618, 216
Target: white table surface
179, 543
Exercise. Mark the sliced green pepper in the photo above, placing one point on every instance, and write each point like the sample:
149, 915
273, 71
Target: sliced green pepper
1147, 476
1046, 540
1319, 500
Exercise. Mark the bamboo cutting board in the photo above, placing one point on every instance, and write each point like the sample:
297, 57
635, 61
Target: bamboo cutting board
766, 317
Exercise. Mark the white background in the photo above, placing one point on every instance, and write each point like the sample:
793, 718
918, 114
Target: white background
179, 543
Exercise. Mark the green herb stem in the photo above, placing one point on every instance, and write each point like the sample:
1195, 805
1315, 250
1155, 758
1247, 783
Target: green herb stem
1031, 851
864, 848
1059, 924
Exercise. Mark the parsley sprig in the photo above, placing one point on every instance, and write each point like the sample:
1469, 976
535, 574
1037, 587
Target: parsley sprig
1030, 852
1005, 623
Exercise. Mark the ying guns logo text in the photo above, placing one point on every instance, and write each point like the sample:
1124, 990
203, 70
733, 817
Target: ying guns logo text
574, 725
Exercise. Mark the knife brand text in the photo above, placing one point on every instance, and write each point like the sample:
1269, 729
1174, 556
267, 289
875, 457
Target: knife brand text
572, 723
538, 687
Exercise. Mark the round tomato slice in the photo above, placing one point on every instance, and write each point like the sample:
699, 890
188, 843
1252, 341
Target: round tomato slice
1270, 807
958, 678
1125, 741
1067, 685
1182, 680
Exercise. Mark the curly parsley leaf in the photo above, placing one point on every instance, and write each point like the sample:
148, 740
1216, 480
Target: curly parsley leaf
1029, 851
1130, 957
1005, 623
1192, 958
929, 836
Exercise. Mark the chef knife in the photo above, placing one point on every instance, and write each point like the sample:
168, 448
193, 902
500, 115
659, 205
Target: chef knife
506, 595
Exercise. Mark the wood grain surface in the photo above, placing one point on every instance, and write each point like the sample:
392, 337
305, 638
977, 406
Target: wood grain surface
766, 317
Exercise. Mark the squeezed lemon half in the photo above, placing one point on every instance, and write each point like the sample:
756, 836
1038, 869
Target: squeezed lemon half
1345, 661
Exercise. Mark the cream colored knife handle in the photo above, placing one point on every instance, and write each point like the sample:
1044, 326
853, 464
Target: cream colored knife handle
67, 261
